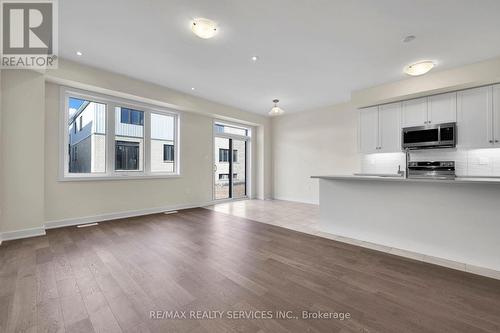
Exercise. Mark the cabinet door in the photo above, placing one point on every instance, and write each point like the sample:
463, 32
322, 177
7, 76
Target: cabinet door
496, 115
414, 112
389, 116
368, 130
475, 118
442, 109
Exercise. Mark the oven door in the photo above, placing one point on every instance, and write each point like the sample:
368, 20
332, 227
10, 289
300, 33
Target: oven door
420, 137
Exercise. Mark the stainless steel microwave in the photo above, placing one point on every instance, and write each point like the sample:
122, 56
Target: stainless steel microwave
429, 136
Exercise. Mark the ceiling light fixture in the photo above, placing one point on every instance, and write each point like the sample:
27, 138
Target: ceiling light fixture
79, 53
419, 68
409, 38
255, 58
204, 28
276, 110
193, 88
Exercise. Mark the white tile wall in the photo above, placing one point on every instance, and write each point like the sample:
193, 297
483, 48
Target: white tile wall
474, 162
385, 163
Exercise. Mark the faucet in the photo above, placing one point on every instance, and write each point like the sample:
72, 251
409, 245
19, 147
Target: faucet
401, 173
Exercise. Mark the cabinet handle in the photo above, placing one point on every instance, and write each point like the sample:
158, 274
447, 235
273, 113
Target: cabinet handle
491, 141
496, 141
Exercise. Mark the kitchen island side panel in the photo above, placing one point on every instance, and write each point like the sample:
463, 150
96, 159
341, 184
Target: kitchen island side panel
454, 221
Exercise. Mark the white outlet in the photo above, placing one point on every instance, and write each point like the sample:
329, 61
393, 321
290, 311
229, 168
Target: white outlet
484, 161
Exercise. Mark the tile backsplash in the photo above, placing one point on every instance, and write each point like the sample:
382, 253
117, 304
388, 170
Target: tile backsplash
473, 162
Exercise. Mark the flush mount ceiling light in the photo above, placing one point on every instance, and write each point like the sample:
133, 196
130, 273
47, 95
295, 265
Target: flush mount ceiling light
276, 110
419, 68
409, 39
255, 58
79, 53
204, 28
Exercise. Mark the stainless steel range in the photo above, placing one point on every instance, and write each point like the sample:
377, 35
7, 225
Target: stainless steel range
431, 169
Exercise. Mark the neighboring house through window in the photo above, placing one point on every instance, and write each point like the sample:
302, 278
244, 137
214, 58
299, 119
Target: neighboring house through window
133, 117
168, 153
127, 155
144, 139
223, 155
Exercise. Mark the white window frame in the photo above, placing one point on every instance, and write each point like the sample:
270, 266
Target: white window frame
112, 102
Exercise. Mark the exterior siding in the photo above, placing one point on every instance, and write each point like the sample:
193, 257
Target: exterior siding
98, 153
157, 163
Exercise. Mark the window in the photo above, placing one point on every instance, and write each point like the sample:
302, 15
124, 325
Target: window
87, 140
163, 134
229, 129
143, 140
223, 155
235, 155
168, 153
132, 117
127, 155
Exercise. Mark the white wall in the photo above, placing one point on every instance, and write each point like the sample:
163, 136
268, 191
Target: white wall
311, 143
68, 200
32, 194
1, 158
435, 82
22, 176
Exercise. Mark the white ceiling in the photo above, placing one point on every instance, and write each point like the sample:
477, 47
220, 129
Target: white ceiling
312, 52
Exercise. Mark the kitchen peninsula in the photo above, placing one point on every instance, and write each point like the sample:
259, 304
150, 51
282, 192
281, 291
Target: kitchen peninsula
455, 220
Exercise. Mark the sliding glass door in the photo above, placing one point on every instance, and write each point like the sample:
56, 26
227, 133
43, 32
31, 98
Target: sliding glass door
230, 163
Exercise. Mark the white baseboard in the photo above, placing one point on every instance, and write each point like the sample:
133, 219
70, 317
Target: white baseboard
461, 266
311, 202
19, 234
119, 215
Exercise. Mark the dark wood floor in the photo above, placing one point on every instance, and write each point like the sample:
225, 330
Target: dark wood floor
108, 278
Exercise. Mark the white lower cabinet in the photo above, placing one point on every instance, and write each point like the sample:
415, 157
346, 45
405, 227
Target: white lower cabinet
380, 129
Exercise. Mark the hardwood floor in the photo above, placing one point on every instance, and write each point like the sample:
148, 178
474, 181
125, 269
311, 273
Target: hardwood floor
108, 278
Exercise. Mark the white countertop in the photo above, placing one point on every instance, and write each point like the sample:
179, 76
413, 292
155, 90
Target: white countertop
386, 178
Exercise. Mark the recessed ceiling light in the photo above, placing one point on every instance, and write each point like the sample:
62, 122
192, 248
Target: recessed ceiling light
193, 88
79, 53
276, 110
255, 58
204, 28
419, 68
409, 38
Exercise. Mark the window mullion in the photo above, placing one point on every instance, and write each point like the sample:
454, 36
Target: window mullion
147, 142
110, 166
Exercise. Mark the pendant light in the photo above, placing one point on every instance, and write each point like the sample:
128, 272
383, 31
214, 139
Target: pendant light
276, 110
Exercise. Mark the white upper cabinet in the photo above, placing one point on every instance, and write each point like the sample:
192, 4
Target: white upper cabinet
442, 109
496, 115
475, 117
368, 130
379, 129
390, 127
414, 112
